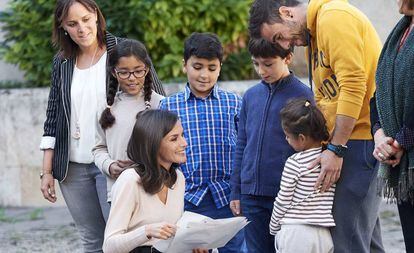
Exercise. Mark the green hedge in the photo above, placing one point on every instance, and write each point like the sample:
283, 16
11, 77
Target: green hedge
161, 24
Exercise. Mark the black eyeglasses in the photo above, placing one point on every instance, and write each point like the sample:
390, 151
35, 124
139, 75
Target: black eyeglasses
127, 74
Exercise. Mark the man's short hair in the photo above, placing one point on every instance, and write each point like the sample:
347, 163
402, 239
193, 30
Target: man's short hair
266, 11
203, 45
264, 49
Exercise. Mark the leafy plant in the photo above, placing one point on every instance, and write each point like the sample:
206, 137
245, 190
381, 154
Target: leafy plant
161, 24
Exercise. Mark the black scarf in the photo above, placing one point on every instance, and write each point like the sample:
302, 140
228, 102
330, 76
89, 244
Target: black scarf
395, 103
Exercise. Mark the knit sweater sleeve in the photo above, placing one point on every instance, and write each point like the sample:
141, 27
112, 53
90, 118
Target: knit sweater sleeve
341, 38
284, 197
125, 201
100, 152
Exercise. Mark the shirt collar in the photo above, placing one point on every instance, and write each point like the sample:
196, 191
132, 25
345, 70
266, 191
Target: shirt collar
213, 94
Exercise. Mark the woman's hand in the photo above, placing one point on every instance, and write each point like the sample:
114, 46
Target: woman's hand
47, 184
384, 148
200, 250
396, 158
162, 230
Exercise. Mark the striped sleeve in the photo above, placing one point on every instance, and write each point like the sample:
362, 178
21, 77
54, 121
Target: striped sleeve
48, 139
284, 198
156, 82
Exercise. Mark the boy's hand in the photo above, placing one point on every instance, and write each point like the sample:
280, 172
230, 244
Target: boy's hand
235, 207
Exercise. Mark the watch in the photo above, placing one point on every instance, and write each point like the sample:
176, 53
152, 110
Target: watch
41, 174
339, 150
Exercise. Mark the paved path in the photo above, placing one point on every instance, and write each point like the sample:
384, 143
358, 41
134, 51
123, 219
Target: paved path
52, 230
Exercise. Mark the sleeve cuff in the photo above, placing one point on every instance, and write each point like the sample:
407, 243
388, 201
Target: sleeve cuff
405, 137
105, 166
235, 193
348, 109
376, 127
47, 142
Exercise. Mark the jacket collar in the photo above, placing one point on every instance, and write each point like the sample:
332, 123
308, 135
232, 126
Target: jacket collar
281, 84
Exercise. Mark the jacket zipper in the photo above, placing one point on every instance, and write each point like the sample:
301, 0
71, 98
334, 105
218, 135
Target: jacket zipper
259, 146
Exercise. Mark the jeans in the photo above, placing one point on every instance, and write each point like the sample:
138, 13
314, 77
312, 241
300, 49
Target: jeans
406, 211
258, 210
208, 208
84, 191
356, 203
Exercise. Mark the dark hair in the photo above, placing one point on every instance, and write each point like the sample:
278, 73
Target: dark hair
266, 11
410, 3
143, 148
126, 48
264, 49
300, 116
66, 45
203, 45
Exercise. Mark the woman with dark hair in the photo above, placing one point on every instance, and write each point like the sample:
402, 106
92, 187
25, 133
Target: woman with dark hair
130, 91
148, 199
392, 116
78, 88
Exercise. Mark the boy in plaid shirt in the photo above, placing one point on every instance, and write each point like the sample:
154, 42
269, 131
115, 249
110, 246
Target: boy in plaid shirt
209, 117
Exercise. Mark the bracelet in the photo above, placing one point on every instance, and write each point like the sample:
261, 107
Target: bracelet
42, 173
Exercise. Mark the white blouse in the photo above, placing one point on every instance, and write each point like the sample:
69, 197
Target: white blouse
88, 93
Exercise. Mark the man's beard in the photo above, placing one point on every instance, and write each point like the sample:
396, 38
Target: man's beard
299, 32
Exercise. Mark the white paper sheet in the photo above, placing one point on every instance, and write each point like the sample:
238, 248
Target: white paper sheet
199, 231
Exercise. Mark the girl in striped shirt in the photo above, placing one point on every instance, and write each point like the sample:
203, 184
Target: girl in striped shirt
302, 215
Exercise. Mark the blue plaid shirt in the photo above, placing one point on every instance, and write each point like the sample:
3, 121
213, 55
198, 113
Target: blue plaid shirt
210, 128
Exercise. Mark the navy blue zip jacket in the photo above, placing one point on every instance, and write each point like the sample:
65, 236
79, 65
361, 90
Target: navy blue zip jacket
262, 149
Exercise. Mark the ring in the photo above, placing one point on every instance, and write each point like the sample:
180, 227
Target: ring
380, 155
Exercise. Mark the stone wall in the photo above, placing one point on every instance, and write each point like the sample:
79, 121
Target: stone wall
22, 114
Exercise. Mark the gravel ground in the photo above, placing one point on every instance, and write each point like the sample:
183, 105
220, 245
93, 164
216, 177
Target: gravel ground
53, 230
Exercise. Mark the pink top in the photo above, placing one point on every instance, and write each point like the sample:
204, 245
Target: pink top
132, 208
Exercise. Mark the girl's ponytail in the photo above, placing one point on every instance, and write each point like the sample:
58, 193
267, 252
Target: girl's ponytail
107, 119
148, 90
300, 116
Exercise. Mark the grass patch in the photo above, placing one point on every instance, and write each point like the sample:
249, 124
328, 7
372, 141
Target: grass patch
35, 214
14, 84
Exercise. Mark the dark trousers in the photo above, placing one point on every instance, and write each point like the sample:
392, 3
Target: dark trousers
258, 210
406, 211
356, 203
144, 249
208, 208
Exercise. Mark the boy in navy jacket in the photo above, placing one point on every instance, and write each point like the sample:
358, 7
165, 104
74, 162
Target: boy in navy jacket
262, 149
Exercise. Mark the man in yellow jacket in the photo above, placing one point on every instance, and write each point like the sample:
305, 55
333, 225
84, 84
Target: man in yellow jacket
343, 49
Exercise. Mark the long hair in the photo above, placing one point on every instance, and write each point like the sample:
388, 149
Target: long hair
410, 3
300, 116
144, 145
67, 47
125, 48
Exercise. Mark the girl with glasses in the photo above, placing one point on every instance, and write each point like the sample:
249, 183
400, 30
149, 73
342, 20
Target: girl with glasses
129, 92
